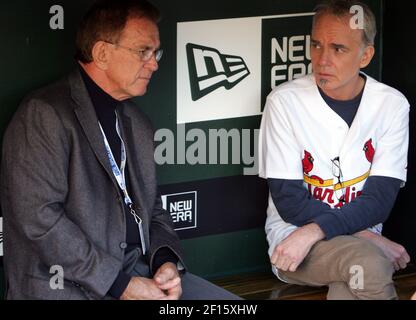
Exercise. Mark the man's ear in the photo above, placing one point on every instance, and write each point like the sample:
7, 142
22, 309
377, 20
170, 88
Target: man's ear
100, 55
367, 56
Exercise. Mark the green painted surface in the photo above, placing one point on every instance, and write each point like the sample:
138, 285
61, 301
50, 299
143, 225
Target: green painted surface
227, 254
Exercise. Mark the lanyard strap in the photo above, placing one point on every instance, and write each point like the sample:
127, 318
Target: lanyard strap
118, 172
120, 176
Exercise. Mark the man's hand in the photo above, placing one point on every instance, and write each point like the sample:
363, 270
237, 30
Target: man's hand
142, 289
290, 253
413, 297
167, 279
395, 252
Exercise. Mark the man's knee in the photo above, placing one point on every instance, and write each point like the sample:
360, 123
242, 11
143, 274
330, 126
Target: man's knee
372, 261
371, 274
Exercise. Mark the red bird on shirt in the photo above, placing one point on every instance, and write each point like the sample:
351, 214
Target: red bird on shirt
369, 150
307, 163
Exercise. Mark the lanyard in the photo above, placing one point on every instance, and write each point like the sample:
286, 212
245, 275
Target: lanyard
119, 174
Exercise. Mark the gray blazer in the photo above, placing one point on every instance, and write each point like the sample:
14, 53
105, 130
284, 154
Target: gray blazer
61, 203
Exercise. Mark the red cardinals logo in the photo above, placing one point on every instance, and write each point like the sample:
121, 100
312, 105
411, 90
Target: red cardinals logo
307, 163
369, 150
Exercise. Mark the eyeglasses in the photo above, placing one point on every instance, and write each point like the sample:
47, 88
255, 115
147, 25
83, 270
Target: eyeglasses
144, 55
339, 186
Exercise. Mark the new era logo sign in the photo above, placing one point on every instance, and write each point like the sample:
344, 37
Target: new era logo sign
183, 209
207, 65
209, 70
218, 74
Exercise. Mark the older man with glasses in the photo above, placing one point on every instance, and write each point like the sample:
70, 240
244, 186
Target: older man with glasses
79, 190
333, 146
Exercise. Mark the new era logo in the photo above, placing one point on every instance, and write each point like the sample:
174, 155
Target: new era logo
210, 70
183, 209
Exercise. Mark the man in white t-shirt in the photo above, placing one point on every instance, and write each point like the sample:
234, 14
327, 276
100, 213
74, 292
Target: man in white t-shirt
333, 146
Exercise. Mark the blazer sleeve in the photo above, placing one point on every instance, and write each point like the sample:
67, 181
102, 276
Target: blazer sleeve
35, 161
163, 235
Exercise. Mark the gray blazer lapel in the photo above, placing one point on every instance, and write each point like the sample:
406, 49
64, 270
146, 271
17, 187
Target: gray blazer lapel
88, 120
134, 166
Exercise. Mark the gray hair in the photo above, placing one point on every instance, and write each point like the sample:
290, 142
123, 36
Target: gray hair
341, 8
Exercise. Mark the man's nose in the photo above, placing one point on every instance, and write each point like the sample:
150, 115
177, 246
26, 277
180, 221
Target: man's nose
152, 64
324, 58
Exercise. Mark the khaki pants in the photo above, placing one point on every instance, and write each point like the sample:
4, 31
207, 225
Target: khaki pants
352, 268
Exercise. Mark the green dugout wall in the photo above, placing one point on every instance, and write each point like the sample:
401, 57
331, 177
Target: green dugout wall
221, 59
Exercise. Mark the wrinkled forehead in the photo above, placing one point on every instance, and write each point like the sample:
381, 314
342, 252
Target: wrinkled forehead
326, 19
141, 31
336, 27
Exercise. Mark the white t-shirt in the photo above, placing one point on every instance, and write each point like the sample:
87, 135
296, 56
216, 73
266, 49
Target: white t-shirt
302, 138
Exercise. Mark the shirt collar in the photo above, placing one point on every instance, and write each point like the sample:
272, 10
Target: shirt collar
355, 100
100, 99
